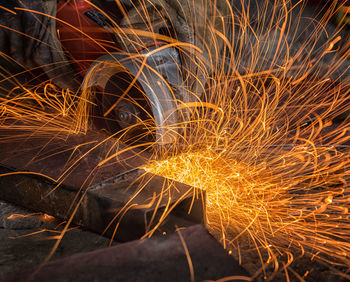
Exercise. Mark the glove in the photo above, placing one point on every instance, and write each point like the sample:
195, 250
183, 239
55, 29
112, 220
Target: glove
28, 36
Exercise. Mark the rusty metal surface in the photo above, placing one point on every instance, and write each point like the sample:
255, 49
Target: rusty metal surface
73, 160
156, 259
100, 206
101, 197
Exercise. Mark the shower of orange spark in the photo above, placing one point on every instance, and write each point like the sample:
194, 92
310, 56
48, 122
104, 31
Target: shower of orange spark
274, 163
262, 140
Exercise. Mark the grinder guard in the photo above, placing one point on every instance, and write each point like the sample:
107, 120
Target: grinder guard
168, 77
157, 70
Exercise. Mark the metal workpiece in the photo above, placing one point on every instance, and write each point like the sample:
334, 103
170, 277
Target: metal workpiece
135, 205
144, 205
99, 197
189, 254
75, 160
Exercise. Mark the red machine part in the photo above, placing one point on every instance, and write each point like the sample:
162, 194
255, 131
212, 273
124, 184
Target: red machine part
83, 39
86, 34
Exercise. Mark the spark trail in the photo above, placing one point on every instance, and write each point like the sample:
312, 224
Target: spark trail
267, 137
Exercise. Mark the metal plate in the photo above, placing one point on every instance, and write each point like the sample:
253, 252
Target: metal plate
101, 196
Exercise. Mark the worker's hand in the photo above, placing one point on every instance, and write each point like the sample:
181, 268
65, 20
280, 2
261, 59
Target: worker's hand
28, 38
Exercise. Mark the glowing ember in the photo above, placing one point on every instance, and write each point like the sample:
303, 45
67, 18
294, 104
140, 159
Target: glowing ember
14, 216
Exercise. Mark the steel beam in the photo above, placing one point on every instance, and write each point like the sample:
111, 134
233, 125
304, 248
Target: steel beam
115, 199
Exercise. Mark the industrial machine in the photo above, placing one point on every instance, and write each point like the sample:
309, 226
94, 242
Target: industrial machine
137, 83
